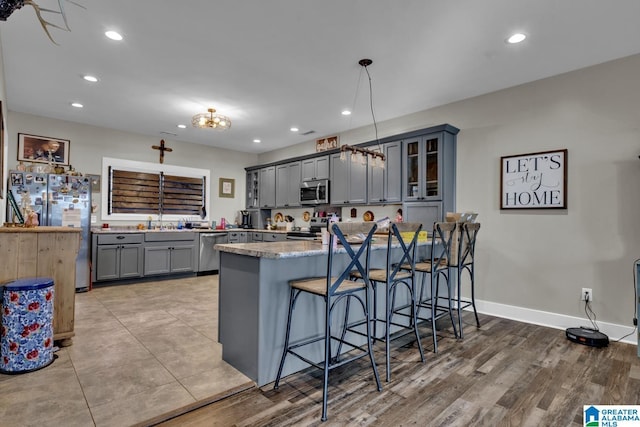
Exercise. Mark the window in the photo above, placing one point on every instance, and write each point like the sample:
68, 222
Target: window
151, 193
134, 191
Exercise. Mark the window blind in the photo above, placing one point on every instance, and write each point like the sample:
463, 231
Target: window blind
152, 193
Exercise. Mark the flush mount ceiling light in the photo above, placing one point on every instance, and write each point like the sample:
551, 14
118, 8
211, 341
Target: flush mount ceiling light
91, 79
211, 120
113, 35
516, 38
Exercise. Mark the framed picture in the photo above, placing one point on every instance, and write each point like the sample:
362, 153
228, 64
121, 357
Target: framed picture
227, 187
43, 149
534, 180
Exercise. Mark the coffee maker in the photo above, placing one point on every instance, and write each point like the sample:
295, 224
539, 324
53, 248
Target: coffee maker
246, 219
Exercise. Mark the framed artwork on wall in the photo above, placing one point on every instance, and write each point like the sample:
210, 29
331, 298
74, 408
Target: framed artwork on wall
43, 149
534, 180
226, 187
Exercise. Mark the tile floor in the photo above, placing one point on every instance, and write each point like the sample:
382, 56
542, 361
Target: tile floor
140, 350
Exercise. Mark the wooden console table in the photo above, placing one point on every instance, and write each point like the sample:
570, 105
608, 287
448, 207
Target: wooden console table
45, 252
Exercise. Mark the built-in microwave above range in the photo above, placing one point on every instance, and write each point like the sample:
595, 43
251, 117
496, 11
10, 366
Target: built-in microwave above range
314, 192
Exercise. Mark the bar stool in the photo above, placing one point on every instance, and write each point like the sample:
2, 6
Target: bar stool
333, 288
396, 272
437, 266
466, 261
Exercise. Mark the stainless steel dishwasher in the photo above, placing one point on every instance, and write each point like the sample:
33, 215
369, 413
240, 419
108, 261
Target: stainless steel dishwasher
209, 257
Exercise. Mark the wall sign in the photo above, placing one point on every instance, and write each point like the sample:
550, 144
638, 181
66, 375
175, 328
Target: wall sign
534, 181
325, 144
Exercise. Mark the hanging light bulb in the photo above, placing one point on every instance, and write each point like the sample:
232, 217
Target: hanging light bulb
343, 155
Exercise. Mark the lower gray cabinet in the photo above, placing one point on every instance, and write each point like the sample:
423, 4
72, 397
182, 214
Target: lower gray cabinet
238, 237
170, 252
117, 256
274, 237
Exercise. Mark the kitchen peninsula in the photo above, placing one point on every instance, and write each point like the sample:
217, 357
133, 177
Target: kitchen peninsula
254, 296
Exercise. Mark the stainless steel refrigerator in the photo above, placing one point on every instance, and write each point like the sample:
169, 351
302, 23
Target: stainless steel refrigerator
58, 200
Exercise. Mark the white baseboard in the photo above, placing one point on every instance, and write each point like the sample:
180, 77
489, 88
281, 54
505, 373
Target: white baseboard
554, 320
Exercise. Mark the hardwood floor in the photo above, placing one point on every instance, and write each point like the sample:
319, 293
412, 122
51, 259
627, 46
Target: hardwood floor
505, 374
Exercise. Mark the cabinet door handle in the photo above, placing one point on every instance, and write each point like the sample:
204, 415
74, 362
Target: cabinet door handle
120, 237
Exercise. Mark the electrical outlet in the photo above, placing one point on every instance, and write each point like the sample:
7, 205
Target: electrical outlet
586, 294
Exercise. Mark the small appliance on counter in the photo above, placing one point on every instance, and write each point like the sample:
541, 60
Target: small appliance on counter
246, 219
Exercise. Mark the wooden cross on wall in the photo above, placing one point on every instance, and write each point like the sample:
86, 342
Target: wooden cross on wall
162, 149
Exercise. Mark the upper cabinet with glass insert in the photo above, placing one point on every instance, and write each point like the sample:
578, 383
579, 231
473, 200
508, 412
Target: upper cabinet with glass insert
429, 171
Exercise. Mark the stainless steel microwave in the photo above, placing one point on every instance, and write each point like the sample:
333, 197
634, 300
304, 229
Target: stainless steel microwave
314, 192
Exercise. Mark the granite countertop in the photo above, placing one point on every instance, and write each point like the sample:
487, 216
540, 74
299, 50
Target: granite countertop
40, 229
292, 248
121, 230
124, 230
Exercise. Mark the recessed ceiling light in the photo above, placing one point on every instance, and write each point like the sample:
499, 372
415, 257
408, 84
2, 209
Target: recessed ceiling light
346, 112
182, 126
294, 129
77, 105
516, 38
91, 79
113, 35
257, 141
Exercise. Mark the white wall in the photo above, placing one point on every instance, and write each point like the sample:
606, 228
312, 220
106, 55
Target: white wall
89, 144
3, 153
540, 260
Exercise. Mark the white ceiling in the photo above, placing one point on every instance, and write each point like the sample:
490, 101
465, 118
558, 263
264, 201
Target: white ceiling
273, 64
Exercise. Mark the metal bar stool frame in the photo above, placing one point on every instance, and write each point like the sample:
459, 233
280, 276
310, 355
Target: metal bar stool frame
466, 262
396, 272
333, 290
437, 266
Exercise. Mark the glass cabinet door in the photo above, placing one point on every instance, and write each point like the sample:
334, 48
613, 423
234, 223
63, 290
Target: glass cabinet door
432, 178
253, 189
412, 177
423, 174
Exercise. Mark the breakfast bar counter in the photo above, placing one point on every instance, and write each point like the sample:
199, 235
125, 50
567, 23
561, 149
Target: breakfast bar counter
254, 296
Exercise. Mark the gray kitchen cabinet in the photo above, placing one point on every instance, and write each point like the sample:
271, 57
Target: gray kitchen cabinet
256, 236
170, 252
425, 212
348, 181
274, 237
315, 168
238, 236
288, 185
429, 172
253, 189
423, 168
385, 185
117, 256
267, 189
